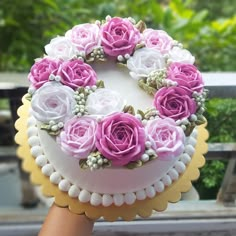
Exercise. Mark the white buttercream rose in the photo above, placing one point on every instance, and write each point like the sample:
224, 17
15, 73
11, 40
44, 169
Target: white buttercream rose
60, 48
104, 102
144, 61
53, 102
177, 54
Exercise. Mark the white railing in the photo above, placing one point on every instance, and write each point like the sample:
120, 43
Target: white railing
193, 216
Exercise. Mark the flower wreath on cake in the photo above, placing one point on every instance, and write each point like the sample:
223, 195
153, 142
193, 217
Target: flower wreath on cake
94, 125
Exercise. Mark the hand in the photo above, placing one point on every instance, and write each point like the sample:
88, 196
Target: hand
60, 221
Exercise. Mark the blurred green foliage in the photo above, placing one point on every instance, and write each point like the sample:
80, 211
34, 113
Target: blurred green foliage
221, 116
4, 104
26, 26
206, 28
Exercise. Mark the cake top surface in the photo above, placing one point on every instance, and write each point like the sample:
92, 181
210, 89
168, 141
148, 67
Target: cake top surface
117, 94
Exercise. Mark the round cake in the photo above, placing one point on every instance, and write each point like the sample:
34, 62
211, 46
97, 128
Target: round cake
114, 112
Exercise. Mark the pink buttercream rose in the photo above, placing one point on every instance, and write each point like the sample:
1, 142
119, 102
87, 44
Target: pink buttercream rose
157, 39
77, 139
41, 70
76, 73
167, 139
85, 37
187, 76
119, 37
120, 138
174, 102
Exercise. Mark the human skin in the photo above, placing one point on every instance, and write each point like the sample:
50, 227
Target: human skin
60, 221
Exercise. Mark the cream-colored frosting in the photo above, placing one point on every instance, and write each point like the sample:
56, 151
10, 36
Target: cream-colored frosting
117, 78
108, 180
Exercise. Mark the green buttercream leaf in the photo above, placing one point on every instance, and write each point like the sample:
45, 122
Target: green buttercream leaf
139, 45
81, 90
141, 26
45, 127
28, 96
146, 88
95, 154
129, 109
93, 58
189, 129
48, 129
152, 158
140, 112
201, 120
106, 165
100, 84
83, 164
134, 164
90, 59
121, 65
54, 133
102, 59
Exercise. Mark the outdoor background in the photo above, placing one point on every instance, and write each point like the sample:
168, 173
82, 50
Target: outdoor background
206, 28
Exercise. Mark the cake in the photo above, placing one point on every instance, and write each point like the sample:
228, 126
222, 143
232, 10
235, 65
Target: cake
114, 112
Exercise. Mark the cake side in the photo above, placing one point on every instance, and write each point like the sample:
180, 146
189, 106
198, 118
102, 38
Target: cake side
112, 183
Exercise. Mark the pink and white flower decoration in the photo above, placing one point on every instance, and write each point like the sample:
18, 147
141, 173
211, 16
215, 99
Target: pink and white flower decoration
182, 55
41, 71
120, 138
119, 37
85, 37
167, 139
175, 103
60, 48
157, 39
76, 73
53, 102
77, 139
187, 76
91, 117
144, 61
104, 102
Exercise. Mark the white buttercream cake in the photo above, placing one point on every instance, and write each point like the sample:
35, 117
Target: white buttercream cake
114, 111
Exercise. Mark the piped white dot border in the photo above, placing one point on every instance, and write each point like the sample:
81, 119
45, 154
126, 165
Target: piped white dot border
106, 200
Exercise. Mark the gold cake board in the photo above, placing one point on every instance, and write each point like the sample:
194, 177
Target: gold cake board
142, 208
